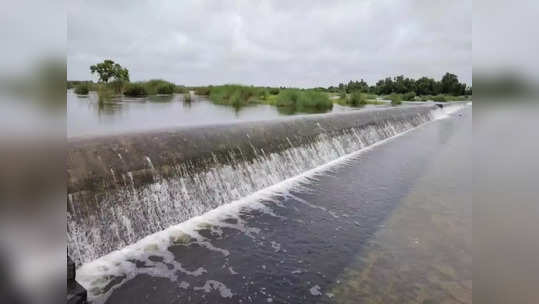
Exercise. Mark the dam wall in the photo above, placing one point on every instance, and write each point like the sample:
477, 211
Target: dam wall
124, 187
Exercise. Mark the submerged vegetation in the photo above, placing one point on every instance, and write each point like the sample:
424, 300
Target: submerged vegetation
82, 89
114, 81
236, 95
396, 99
304, 100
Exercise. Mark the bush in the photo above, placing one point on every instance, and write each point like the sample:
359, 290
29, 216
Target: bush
187, 97
439, 98
166, 88
409, 96
396, 99
104, 92
180, 90
202, 91
305, 100
274, 91
82, 89
158, 86
135, 89
236, 95
357, 99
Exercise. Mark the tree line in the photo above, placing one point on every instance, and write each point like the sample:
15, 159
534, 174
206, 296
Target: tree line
449, 84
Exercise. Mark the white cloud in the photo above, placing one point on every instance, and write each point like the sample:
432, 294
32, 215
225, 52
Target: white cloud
300, 43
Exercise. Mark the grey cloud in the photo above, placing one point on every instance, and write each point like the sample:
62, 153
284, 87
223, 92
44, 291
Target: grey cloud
299, 43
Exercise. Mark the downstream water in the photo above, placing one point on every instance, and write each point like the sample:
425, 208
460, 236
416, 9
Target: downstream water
86, 116
390, 224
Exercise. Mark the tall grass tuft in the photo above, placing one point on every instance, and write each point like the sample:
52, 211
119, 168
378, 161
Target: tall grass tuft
236, 95
82, 89
357, 99
396, 99
303, 100
135, 89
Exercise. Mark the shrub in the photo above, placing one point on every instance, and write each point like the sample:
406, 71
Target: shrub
104, 92
305, 100
274, 91
396, 99
158, 86
203, 91
342, 95
439, 98
187, 97
82, 89
180, 89
409, 96
135, 89
357, 99
236, 95
166, 88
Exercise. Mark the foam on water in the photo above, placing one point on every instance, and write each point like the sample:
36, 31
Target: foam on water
99, 273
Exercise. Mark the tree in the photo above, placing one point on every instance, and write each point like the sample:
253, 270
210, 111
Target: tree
108, 70
451, 85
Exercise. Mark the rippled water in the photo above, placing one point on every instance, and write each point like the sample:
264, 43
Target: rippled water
391, 224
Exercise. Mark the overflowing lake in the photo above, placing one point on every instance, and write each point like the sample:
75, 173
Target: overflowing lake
87, 116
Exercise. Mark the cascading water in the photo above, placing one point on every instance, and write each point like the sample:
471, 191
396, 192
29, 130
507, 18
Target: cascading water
121, 206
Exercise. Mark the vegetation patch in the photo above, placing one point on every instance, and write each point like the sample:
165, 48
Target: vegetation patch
396, 99
303, 100
234, 95
82, 89
135, 89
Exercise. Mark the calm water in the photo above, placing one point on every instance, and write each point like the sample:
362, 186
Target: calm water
392, 225
86, 116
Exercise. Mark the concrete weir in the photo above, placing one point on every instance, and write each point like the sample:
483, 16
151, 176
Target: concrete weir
124, 187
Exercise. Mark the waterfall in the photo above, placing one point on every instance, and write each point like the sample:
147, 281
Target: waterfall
123, 188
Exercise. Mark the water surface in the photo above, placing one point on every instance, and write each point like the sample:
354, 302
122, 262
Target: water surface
390, 225
86, 116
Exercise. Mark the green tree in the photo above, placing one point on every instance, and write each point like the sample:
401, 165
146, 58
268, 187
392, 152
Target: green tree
109, 70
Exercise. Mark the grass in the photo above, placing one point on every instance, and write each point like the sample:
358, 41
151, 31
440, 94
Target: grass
396, 99
237, 95
82, 89
303, 100
135, 89
202, 91
158, 86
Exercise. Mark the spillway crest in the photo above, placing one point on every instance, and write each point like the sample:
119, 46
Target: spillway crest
124, 187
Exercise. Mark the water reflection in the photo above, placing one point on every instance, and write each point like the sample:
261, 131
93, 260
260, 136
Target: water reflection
87, 115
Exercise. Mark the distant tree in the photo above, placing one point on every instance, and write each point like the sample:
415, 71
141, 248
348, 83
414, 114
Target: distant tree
451, 85
109, 70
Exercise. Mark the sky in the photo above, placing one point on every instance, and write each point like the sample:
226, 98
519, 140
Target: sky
302, 43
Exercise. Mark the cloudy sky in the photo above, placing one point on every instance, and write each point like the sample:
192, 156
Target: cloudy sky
302, 43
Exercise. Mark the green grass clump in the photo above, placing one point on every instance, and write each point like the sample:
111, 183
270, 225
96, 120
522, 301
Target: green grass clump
135, 89
235, 95
187, 97
202, 91
410, 96
439, 98
158, 86
396, 99
357, 99
82, 89
274, 91
166, 89
180, 89
105, 92
303, 100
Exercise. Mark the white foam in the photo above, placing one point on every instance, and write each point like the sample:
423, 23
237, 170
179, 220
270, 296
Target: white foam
98, 273
215, 285
315, 290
